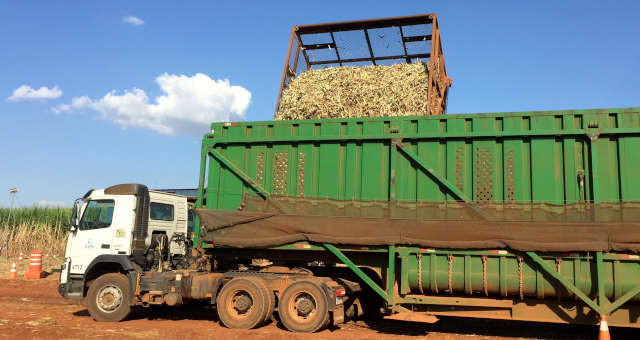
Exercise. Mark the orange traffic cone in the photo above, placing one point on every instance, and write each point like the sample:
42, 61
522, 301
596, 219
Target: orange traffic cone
604, 329
35, 266
12, 273
20, 258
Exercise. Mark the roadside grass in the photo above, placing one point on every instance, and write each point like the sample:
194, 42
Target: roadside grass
50, 264
34, 228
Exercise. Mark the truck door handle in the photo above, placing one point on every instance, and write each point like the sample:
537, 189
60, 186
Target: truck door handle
105, 246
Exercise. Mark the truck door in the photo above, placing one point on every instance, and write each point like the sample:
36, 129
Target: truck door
94, 233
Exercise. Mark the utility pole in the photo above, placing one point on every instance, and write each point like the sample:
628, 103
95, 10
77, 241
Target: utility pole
12, 192
5, 234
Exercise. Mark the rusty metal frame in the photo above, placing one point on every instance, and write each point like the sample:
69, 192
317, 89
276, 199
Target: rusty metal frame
369, 23
366, 38
286, 68
304, 50
438, 85
365, 25
404, 45
373, 60
333, 41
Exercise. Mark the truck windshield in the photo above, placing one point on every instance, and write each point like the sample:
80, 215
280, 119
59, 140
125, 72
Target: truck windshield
97, 214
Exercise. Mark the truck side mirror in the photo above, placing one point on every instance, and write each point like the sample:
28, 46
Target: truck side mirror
73, 221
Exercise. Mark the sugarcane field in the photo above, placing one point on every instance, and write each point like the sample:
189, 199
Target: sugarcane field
328, 170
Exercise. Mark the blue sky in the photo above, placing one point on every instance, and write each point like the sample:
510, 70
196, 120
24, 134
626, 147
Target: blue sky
501, 55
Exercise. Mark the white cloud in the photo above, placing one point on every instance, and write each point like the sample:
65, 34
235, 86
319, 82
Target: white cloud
44, 203
189, 105
25, 92
133, 20
61, 108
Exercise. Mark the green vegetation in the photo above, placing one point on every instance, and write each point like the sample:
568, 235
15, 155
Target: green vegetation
43, 228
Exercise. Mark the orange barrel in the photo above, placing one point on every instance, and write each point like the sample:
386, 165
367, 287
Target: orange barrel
35, 266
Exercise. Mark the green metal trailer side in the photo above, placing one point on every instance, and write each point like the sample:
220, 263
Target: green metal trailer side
556, 159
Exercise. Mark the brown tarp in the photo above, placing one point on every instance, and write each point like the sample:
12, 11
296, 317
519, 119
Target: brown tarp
273, 224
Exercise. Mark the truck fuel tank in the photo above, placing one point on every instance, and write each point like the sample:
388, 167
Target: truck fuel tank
175, 286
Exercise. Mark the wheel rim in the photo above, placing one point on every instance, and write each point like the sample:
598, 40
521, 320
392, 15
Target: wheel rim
241, 304
109, 298
303, 307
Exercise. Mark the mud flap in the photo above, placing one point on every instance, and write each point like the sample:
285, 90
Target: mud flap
338, 314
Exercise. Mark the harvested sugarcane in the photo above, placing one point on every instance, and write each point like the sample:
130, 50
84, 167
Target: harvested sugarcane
346, 92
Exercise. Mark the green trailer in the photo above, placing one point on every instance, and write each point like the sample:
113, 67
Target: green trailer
521, 216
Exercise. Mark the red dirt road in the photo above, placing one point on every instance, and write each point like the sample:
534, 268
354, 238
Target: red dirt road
34, 310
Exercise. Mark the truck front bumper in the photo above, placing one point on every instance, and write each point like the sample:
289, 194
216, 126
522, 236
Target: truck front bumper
71, 290
71, 286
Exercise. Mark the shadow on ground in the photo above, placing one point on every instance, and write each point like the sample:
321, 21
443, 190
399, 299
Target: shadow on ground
200, 311
496, 328
194, 310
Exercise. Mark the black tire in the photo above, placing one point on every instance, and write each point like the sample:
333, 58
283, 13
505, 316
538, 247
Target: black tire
271, 298
108, 298
370, 301
303, 307
242, 304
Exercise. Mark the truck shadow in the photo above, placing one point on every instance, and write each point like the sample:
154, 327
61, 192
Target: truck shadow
194, 310
493, 328
202, 311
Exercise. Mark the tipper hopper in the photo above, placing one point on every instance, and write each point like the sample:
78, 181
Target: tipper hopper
324, 56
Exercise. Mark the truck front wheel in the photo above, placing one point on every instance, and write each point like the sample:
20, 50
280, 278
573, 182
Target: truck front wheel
108, 298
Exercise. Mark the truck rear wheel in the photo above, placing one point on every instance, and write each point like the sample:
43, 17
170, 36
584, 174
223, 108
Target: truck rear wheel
108, 298
242, 304
303, 307
271, 298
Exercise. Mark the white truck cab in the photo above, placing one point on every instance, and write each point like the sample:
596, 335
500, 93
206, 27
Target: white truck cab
129, 246
125, 225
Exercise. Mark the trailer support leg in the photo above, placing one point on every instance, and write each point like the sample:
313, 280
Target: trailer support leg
364, 277
391, 275
200, 200
602, 298
543, 265
622, 300
604, 307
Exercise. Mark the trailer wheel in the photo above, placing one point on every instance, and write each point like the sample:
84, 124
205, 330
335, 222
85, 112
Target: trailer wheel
108, 298
303, 307
370, 302
242, 304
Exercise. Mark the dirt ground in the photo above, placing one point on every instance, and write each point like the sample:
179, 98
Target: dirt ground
32, 309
